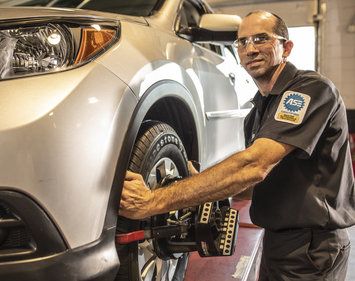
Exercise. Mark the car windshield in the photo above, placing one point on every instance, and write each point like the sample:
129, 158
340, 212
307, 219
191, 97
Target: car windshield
126, 7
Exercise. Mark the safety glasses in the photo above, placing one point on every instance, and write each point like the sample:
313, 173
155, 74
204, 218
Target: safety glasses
257, 39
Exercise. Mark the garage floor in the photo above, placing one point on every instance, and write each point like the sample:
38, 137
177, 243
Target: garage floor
242, 266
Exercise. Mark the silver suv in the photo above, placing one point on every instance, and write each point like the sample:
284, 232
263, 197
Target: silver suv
89, 89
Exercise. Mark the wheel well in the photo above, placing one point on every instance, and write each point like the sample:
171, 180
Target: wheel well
175, 113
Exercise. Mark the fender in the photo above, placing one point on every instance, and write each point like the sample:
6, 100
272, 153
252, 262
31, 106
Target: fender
156, 92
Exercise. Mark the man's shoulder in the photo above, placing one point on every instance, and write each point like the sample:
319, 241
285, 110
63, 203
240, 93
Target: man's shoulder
316, 78
315, 84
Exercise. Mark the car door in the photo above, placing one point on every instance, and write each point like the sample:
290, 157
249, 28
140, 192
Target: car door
218, 76
244, 85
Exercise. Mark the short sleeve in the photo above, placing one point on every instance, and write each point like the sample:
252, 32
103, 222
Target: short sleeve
301, 114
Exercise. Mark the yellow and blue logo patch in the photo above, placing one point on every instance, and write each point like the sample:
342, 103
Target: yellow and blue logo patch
292, 107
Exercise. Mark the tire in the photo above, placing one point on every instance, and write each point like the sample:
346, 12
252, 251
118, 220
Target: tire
157, 152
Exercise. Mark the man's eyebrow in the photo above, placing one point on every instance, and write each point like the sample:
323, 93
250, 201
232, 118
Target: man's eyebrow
261, 34
257, 34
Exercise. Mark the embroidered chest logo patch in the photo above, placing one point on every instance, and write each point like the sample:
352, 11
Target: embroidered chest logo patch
292, 107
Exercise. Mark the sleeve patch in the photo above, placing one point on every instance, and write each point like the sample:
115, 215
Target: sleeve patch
292, 107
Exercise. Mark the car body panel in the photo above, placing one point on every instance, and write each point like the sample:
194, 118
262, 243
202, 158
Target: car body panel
67, 150
61, 133
9, 14
215, 93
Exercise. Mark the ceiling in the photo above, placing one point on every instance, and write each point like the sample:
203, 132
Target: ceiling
228, 3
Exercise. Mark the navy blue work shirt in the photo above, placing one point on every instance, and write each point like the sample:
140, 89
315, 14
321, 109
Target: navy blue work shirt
313, 186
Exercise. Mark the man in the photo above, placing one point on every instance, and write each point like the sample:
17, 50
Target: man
297, 158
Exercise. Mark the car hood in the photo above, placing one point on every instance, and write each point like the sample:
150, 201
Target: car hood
17, 13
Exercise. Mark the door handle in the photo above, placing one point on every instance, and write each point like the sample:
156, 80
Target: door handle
232, 78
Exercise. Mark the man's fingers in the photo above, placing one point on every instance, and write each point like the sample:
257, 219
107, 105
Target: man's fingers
124, 213
129, 189
133, 176
135, 197
127, 211
124, 204
191, 168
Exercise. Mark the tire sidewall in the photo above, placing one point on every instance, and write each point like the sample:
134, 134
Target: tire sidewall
166, 145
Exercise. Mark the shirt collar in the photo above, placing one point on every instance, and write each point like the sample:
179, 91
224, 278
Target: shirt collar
286, 75
259, 101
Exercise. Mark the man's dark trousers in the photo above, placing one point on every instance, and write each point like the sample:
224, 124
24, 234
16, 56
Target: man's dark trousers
305, 254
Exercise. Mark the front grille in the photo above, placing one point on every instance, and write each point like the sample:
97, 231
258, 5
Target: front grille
4, 211
14, 235
16, 238
26, 231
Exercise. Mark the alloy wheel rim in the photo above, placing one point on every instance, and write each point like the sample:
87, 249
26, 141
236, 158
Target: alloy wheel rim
150, 265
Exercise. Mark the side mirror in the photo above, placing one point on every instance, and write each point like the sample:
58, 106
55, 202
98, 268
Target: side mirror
213, 28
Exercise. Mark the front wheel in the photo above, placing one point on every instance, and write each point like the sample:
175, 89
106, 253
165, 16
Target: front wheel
158, 154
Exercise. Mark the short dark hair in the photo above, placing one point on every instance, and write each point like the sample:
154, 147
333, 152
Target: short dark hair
280, 27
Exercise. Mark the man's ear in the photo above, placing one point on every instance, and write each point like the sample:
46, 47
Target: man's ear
288, 45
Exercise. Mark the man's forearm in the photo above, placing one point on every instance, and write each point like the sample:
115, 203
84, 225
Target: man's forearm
230, 177
225, 179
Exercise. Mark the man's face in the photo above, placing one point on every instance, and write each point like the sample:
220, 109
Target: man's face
259, 59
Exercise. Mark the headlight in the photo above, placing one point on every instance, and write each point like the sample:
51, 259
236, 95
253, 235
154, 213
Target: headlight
52, 47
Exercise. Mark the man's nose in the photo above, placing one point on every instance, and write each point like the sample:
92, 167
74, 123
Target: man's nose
250, 49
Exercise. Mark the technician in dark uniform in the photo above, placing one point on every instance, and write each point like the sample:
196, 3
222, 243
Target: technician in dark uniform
297, 158
308, 198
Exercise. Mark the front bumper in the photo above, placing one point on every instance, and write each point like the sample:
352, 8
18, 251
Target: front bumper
97, 261
31, 247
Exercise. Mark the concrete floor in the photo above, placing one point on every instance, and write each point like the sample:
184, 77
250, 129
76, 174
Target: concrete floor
351, 267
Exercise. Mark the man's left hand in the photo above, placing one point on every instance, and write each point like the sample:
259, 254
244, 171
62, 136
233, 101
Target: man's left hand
136, 199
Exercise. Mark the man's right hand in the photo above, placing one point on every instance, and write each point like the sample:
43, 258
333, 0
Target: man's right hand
137, 198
